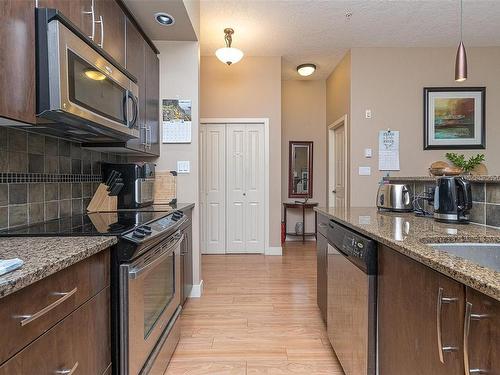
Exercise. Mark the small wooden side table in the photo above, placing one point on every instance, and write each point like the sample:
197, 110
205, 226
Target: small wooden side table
304, 207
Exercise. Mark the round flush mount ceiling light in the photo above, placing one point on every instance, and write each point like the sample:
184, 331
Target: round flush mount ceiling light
164, 19
229, 55
306, 69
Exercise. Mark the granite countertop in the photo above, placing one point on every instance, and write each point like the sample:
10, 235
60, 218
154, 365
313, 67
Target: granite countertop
409, 234
44, 256
485, 179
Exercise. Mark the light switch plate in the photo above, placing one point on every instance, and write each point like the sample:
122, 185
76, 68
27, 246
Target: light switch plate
183, 166
368, 113
364, 171
368, 153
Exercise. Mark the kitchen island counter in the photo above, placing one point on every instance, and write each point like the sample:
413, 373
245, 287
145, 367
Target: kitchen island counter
409, 235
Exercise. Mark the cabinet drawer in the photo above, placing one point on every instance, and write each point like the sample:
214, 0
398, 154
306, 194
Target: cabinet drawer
323, 225
80, 342
30, 312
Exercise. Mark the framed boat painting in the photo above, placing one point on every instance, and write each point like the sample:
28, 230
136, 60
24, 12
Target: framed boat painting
454, 118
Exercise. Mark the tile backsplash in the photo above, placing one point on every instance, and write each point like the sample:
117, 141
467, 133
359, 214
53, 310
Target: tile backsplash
43, 178
485, 200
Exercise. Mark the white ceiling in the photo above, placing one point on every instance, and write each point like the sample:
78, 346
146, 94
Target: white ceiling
317, 31
144, 11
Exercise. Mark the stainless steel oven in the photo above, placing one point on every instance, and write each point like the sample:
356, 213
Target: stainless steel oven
80, 88
149, 304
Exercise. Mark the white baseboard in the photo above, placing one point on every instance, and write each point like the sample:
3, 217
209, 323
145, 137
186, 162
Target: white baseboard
275, 250
196, 290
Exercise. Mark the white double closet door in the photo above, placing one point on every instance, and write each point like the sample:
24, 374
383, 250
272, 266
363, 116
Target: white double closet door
233, 183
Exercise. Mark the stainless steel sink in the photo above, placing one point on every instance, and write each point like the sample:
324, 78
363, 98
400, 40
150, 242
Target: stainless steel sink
484, 254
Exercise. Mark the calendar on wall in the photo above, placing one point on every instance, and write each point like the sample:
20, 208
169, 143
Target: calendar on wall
388, 150
176, 121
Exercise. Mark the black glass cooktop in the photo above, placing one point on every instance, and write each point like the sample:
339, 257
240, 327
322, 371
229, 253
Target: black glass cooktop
92, 224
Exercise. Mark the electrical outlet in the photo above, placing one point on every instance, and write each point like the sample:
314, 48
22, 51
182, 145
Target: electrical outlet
368, 113
183, 166
364, 171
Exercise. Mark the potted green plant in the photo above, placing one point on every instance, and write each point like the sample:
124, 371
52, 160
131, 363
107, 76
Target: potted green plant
467, 165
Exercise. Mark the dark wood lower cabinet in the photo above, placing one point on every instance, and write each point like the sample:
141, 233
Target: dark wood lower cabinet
80, 342
322, 271
482, 339
421, 317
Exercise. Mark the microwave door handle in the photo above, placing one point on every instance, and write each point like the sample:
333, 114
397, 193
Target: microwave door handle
130, 97
135, 108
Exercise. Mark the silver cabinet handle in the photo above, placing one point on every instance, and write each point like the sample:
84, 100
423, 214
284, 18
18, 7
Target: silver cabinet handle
101, 23
29, 318
92, 14
322, 225
145, 143
468, 317
68, 372
442, 349
148, 131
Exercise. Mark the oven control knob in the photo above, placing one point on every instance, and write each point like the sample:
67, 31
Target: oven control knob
145, 231
177, 215
147, 227
138, 234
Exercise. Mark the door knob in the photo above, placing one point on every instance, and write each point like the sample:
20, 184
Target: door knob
334, 191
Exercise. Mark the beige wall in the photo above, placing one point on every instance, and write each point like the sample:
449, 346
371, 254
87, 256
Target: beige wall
179, 78
338, 90
303, 118
389, 81
250, 88
338, 104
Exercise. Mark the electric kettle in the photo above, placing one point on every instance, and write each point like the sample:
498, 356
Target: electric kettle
452, 200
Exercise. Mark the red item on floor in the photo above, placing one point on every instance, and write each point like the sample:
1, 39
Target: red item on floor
283, 233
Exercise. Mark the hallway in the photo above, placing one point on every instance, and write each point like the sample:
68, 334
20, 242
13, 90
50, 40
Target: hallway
257, 316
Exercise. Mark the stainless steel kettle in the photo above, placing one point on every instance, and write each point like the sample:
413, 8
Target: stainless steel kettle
452, 200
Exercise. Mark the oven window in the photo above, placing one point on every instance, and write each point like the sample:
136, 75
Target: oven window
159, 289
93, 90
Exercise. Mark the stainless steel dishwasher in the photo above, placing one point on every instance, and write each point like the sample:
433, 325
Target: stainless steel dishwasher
352, 286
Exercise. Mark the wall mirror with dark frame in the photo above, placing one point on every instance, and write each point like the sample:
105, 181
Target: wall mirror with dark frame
300, 169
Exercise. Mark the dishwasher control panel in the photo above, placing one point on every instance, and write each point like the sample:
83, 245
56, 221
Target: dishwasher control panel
360, 250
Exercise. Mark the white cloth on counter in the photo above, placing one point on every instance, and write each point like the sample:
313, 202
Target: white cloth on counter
9, 265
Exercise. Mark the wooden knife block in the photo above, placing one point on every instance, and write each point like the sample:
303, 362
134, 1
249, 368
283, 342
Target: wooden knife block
101, 201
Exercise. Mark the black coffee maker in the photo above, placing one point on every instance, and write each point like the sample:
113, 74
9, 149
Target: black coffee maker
452, 200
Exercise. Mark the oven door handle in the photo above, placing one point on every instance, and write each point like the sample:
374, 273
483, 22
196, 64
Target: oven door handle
135, 273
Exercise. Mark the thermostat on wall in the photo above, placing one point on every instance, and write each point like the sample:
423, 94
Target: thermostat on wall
183, 166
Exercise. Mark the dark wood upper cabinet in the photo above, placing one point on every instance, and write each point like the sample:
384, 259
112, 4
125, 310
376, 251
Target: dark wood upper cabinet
482, 334
78, 12
152, 101
17, 60
110, 28
110, 25
135, 64
421, 316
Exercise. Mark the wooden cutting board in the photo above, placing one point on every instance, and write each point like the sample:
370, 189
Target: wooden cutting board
165, 187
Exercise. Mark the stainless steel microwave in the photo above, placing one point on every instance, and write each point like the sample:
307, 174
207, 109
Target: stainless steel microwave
80, 91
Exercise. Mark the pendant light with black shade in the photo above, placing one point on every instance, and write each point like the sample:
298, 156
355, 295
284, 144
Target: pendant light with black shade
461, 58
